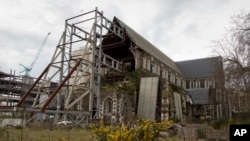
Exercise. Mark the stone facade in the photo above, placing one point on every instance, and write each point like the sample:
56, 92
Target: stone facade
136, 53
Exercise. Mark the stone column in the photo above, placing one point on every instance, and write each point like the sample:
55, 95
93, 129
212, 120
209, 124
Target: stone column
121, 109
137, 56
115, 108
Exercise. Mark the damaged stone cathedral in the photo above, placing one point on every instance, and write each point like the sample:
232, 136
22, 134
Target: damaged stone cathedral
152, 86
127, 78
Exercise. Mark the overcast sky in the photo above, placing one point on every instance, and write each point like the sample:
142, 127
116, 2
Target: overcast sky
182, 29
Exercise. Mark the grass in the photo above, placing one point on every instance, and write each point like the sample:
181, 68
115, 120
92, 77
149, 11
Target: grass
36, 134
59, 134
175, 138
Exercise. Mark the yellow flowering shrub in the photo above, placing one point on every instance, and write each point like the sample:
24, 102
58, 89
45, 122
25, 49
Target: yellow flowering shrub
144, 130
63, 139
101, 132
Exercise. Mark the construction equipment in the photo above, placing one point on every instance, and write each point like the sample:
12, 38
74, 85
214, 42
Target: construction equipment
28, 69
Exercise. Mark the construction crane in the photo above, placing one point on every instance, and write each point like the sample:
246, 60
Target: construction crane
28, 69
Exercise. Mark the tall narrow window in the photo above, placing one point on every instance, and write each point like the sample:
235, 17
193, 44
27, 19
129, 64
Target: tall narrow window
108, 106
188, 84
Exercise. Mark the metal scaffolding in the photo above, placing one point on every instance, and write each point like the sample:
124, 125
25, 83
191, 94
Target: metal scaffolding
78, 74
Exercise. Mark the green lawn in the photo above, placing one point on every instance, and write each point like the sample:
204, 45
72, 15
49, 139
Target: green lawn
31, 134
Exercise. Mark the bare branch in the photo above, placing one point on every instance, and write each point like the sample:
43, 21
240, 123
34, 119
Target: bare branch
235, 51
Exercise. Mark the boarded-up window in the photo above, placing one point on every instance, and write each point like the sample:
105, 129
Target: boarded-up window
163, 73
178, 106
144, 62
148, 98
148, 64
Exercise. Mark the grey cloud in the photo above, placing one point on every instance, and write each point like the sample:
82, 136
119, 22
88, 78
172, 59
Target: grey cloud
19, 40
169, 10
111, 10
29, 20
190, 28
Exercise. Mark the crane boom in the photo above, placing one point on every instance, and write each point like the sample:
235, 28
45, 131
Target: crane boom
39, 51
28, 69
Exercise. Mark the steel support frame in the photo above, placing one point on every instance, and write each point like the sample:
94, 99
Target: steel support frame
83, 73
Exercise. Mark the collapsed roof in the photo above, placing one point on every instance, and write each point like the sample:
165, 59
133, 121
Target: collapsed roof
146, 45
